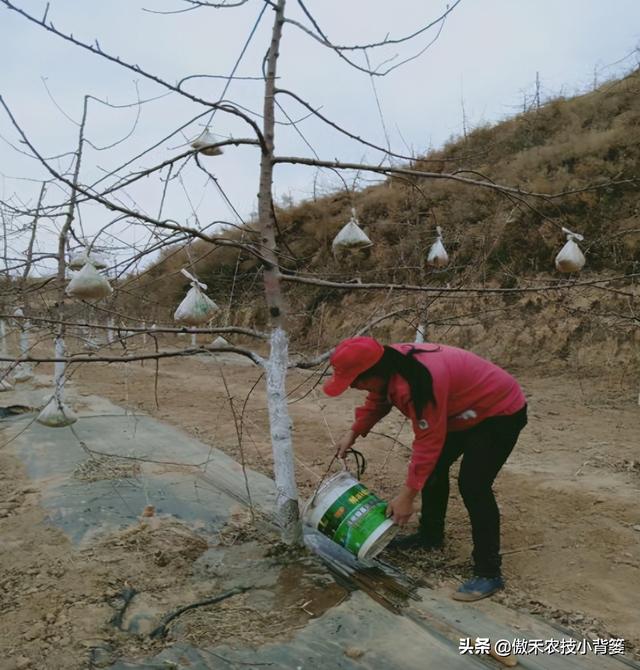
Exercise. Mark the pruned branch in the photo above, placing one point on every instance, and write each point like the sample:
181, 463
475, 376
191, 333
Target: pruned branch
362, 286
298, 160
86, 358
229, 330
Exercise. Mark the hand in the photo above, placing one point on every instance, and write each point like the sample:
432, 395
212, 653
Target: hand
400, 508
345, 443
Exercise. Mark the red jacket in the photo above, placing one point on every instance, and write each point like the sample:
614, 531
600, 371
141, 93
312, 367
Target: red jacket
467, 388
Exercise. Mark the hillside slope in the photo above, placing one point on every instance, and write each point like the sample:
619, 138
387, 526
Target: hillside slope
588, 145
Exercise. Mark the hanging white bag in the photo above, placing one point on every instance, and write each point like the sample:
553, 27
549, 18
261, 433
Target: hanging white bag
351, 236
570, 258
98, 262
80, 258
77, 260
437, 256
203, 141
22, 373
89, 284
55, 414
220, 342
196, 308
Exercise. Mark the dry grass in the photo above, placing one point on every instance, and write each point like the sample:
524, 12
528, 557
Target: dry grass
566, 144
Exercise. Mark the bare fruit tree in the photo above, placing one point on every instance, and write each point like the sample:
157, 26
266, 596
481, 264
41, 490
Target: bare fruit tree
126, 208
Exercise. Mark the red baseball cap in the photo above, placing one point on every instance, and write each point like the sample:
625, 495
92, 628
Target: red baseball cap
349, 360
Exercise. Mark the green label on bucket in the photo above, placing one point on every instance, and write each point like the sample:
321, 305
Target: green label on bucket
353, 517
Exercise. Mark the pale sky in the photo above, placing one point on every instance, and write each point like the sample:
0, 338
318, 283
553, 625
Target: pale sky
487, 55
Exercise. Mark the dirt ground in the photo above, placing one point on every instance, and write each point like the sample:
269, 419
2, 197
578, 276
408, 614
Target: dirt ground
568, 494
71, 608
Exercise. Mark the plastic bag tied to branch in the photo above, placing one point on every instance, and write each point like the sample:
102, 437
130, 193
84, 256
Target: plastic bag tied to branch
351, 236
203, 144
570, 258
55, 414
437, 256
80, 258
220, 342
89, 284
196, 307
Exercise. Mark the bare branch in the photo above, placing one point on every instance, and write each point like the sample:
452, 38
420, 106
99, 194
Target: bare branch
563, 286
97, 50
215, 5
158, 329
361, 47
324, 40
443, 175
170, 161
86, 358
167, 223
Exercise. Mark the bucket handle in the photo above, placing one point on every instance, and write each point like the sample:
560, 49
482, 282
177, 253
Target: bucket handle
361, 462
361, 467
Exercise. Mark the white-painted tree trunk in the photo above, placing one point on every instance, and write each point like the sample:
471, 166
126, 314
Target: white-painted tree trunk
3, 338
4, 352
420, 331
110, 335
287, 511
86, 334
194, 340
144, 334
280, 428
23, 371
24, 339
59, 368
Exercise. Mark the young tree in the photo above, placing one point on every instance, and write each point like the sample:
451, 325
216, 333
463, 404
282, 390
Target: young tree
112, 194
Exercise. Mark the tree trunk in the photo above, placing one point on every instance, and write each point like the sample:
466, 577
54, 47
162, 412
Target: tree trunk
287, 510
24, 370
3, 338
59, 346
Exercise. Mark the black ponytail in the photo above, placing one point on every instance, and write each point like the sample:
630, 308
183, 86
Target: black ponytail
412, 371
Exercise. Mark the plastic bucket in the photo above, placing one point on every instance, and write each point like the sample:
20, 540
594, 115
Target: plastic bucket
348, 513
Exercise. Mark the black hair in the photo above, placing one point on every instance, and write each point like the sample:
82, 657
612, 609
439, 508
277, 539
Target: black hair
412, 371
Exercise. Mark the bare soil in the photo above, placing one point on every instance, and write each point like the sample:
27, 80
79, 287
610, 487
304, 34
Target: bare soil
70, 608
568, 495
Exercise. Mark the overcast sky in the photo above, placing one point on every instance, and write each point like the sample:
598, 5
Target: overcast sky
486, 57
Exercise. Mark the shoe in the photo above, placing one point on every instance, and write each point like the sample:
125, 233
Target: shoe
478, 588
415, 541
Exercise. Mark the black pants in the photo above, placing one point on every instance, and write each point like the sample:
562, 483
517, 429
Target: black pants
484, 449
